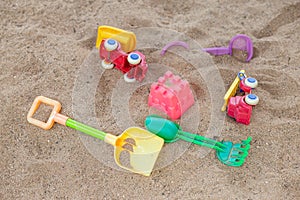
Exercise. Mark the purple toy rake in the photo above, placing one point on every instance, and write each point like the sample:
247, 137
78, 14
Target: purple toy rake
240, 46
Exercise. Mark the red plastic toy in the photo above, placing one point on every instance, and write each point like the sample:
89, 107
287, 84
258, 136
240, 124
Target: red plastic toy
133, 65
171, 95
240, 107
247, 84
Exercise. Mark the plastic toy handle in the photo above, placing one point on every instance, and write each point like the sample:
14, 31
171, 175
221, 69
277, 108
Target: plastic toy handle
200, 143
55, 116
85, 129
217, 51
171, 44
202, 139
52, 118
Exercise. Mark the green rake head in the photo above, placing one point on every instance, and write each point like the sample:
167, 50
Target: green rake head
234, 154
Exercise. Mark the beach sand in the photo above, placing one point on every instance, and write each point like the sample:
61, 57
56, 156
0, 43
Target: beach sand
43, 46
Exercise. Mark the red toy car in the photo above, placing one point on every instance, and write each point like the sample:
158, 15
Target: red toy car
133, 65
240, 107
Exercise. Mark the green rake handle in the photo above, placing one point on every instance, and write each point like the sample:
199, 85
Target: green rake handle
170, 132
201, 139
200, 143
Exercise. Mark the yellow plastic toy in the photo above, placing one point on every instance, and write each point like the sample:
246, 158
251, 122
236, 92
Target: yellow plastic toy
126, 38
138, 145
232, 89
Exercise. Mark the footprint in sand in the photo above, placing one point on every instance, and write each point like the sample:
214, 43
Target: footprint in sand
288, 15
279, 94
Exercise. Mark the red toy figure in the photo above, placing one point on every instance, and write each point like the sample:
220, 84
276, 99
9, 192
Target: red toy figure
171, 95
133, 65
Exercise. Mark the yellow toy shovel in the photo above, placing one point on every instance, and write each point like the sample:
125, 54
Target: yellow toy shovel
142, 146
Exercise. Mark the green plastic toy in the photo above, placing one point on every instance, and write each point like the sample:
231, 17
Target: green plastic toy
228, 153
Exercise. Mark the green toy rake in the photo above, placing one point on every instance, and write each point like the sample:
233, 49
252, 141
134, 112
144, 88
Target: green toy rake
228, 153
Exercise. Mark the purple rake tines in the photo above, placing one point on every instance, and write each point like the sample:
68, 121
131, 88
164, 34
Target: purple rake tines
240, 46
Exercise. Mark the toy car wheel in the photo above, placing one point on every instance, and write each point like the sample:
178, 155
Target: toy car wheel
251, 82
107, 65
134, 58
128, 80
110, 44
251, 99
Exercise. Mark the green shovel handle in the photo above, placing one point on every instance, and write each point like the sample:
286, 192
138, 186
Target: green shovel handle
85, 129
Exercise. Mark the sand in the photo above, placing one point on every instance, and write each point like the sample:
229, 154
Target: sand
43, 47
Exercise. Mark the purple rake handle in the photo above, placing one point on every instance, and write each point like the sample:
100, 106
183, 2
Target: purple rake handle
217, 51
175, 43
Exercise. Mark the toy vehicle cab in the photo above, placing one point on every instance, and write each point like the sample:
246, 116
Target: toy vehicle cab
247, 84
240, 107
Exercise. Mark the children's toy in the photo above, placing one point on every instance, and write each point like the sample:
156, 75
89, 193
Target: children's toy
127, 39
228, 153
171, 95
142, 146
240, 107
248, 84
239, 42
171, 44
119, 43
133, 65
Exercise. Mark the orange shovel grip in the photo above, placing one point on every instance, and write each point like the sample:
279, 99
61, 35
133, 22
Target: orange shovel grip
54, 116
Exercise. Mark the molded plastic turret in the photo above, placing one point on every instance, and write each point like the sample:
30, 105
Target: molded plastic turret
171, 95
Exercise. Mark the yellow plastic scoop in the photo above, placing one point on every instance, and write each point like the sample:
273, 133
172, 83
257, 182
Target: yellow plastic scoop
232, 89
126, 38
136, 149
